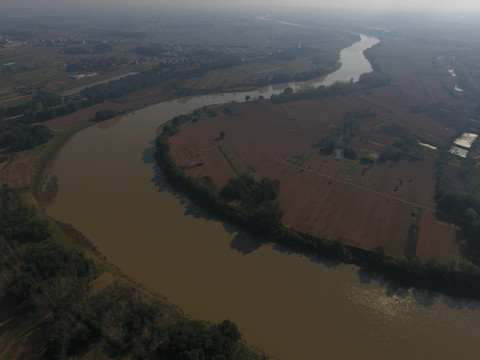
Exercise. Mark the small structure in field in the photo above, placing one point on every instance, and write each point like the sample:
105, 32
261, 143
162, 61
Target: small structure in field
462, 144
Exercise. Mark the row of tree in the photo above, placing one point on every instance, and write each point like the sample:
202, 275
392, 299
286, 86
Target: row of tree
459, 204
411, 271
256, 211
338, 88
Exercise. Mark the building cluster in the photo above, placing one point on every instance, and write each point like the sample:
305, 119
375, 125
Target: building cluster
6, 43
462, 144
79, 76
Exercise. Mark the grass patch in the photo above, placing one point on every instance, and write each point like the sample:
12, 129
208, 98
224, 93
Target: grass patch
48, 154
298, 160
350, 171
413, 230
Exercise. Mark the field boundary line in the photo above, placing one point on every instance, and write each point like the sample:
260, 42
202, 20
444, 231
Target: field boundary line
342, 181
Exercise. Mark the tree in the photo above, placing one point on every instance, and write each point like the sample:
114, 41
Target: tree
269, 189
266, 218
106, 114
327, 144
349, 153
378, 256
230, 330
222, 135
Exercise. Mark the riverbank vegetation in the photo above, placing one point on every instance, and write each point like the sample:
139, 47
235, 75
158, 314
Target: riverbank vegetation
17, 136
241, 202
49, 72
457, 196
64, 301
60, 299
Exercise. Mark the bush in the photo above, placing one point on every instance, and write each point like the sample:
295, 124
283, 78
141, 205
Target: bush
102, 115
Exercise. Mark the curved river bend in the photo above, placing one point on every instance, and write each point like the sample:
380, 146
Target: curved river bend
291, 306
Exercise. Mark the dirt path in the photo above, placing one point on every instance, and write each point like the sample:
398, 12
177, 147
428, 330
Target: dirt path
340, 180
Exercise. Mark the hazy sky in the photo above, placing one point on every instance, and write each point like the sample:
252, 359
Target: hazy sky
390, 4
377, 4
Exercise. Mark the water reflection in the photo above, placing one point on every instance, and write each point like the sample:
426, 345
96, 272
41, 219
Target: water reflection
246, 243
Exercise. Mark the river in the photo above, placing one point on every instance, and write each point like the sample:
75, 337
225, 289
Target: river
288, 305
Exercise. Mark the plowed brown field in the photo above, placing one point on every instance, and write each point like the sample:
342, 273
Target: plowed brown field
334, 198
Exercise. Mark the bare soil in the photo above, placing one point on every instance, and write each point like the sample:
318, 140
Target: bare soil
364, 206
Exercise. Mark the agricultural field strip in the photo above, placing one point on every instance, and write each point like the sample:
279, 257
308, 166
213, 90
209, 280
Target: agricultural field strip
374, 104
341, 181
420, 78
250, 137
275, 158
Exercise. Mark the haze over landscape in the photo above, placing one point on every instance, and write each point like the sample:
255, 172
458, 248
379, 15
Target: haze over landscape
428, 5
244, 181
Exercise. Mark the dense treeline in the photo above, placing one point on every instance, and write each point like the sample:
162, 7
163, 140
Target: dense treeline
338, 88
40, 101
125, 85
369, 55
105, 114
257, 212
49, 279
282, 78
17, 136
89, 64
410, 271
43, 106
246, 189
374, 79
459, 205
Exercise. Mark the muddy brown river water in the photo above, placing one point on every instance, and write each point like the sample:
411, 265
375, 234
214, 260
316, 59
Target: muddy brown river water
291, 306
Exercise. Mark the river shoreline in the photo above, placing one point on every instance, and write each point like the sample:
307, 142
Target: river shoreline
289, 305
42, 167
407, 272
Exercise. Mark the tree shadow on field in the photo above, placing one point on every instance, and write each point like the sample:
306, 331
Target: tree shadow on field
246, 243
243, 241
